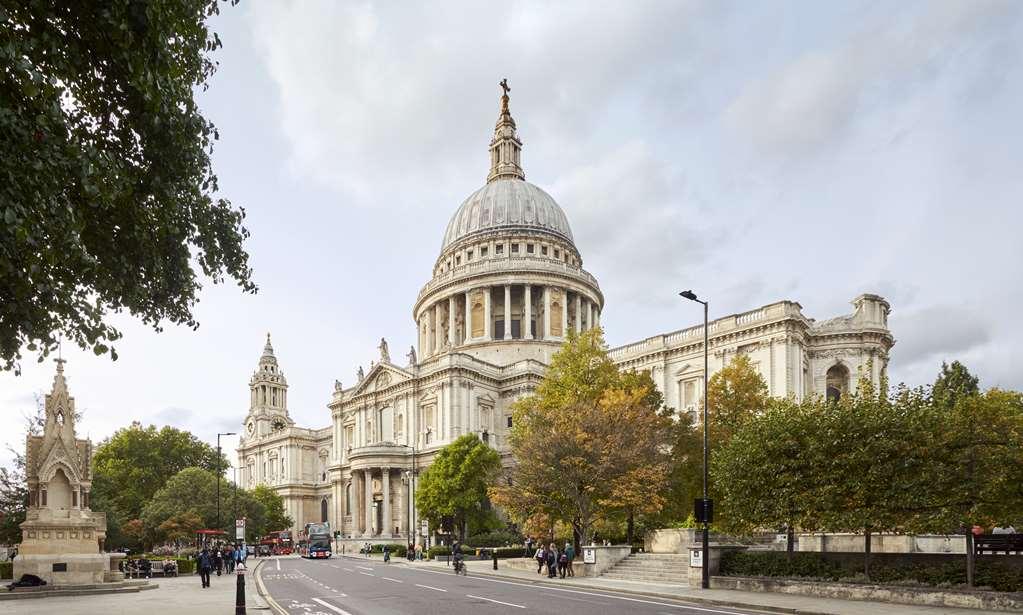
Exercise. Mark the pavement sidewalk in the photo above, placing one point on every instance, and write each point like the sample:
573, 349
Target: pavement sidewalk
181, 595
771, 602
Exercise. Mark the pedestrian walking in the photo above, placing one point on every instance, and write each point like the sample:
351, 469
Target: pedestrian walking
387, 553
570, 555
205, 565
541, 559
552, 561
529, 546
218, 561
562, 564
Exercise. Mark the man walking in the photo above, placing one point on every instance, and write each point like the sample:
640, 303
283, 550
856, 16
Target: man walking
205, 566
541, 559
552, 561
570, 556
529, 546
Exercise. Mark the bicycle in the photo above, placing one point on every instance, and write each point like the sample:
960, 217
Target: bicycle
460, 568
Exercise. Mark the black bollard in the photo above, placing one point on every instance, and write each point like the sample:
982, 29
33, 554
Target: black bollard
495, 558
239, 600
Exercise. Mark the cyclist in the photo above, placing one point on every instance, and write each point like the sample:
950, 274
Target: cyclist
456, 555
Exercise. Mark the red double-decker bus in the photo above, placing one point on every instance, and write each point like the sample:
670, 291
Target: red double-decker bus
278, 543
315, 541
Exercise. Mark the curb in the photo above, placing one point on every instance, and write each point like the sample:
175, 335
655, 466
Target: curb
261, 590
663, 596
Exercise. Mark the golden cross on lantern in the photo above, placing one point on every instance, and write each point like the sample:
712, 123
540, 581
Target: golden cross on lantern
504, 86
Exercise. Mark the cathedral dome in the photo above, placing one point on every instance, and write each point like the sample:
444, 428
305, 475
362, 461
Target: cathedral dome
507, 203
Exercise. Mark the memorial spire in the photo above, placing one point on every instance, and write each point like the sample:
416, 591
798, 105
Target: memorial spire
505, 147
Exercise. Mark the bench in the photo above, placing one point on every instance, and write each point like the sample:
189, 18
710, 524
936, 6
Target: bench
998, 543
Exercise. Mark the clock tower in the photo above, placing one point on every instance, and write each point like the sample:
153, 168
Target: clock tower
268, 397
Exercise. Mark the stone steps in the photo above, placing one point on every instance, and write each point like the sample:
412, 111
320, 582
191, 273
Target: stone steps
652, 567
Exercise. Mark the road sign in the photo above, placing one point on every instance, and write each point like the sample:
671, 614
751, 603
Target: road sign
424, 527
239, 529
589, 555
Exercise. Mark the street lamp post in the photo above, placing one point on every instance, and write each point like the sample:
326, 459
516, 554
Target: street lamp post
705, 504
227, 433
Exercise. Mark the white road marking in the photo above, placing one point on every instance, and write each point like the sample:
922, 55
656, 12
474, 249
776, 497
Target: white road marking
364, 567
349, 570
602, 595
394, 580
431, 587
367, 574
518, 606
332, 607
278, 564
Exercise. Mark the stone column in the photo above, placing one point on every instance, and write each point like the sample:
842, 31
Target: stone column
596, 317
578, 313
564, 314
589, 314
452, 336
488, 329
367, 479
468, 317
439, 326
527, 333
546, 313
388, 525
507, 312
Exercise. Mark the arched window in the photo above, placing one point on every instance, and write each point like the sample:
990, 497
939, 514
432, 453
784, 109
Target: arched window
323, 510
837, 382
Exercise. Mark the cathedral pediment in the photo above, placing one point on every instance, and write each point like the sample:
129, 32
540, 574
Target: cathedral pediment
382, 375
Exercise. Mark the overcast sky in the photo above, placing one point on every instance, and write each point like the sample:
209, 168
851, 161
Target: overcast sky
752, 151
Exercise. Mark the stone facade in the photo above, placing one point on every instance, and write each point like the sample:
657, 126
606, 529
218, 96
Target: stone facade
62, 538
507, 288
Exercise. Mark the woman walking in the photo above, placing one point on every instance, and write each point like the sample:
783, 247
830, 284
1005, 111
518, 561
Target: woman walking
541, 559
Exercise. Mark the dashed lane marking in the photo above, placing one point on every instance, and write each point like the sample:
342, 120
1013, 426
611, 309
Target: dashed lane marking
518, 606
368, 574
431, 587
349, 570
278, 564
364, 567
330, 606
392, 580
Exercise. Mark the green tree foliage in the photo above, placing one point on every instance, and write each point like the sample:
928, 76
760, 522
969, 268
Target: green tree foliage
955, 382
108, 199
455, 484
590, 445
193, 491
275, 517
130, 466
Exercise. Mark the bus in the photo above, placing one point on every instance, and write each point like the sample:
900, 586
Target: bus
277, 543
315, 541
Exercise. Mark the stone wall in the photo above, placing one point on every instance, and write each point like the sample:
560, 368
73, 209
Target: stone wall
882, 543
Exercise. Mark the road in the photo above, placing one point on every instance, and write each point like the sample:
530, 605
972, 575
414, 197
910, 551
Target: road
353, 586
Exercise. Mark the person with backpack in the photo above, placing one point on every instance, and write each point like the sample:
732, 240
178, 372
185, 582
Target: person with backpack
205, 567
563, 563
552, 561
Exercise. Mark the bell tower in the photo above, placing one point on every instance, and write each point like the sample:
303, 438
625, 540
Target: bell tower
268, 397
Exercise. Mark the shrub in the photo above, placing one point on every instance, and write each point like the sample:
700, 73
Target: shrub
438, 551
990, 573
185, 565
397, 550
6, 570
496, 538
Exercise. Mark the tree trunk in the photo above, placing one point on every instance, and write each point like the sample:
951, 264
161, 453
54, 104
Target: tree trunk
790, 541
866, 554
577, 538
630, 528
971, 559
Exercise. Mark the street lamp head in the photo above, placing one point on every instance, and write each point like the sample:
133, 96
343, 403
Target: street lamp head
228, 433
688, 294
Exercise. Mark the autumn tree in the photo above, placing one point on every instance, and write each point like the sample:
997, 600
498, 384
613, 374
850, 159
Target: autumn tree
181, 527
589, 444
455, 484
109, 201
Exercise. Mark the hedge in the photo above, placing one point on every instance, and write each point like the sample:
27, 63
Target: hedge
948, 571
6, 570
397, 550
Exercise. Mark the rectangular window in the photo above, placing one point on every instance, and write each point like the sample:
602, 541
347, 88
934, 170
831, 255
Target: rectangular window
468, 255
515, 248
543, 250
509, 421
483, 252
557, 253
458, 260
516, 329
498, 329
529, 248
499, 248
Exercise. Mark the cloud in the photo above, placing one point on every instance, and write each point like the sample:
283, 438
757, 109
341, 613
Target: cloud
938, 333
810, 101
